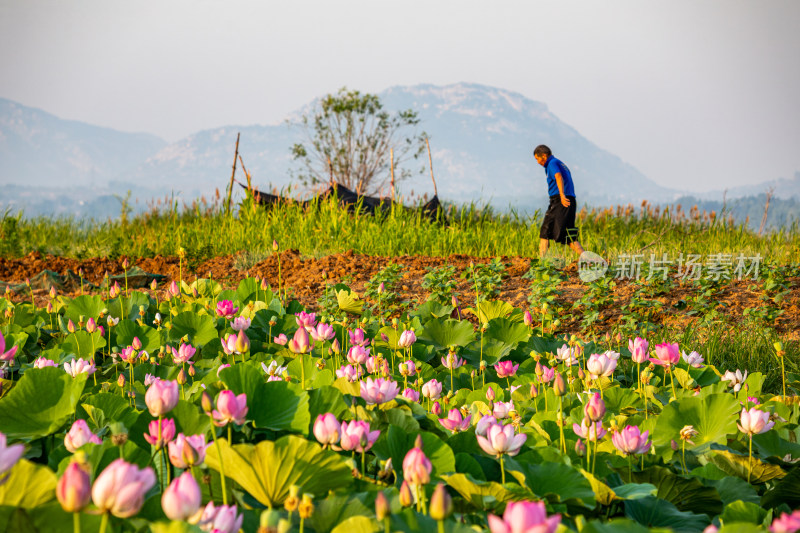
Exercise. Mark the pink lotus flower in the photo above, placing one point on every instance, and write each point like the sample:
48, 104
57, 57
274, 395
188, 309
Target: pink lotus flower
230, 408
417, 467
74, 489
187, 451
120, 488
452, 361
455, 421
350, 372
6, 355
182, 498
501, 410
357, 338
506, 369
240, 323
43, 362
357, 436
128, 354
226, 309
754, 422
407, 368
149, 379
667, 354
242, 344
501, 440
378, 391
411, 395
483, 425
547, 374
161, 397
595, 407
600, 365
306, 320
631, 441
589, 431
327, 429
159, 437
566, 355
524, 517
377, 365
358, 355
323, 332
172, 290
786, 523
638, 348
79, 366
432, 390
222, 519
300, 342
222, 367
9, 455
228, 344
281, 339
183, 354
78, 435
693, 359
407, 338
736, 379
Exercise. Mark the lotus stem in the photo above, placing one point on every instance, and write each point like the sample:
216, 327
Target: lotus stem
630, 468
221, 465
440, 526
76, 522
750, 459
104, 523
561, 423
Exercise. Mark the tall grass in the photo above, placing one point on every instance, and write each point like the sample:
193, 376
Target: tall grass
324, 227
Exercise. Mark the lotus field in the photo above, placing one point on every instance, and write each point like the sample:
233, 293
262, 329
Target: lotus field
223, 410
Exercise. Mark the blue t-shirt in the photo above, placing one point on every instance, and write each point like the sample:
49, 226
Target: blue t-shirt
553, 167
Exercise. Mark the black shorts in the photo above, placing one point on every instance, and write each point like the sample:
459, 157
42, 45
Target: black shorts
559, 221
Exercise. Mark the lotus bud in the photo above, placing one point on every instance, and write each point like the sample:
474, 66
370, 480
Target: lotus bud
70, 326
382, 509
206, 403
242, 342
559, 387
534, 391
595, 408
192, 371
274, 245
50, 308
181, 379
153, 284
539, 370
74, 490
381, 288
52, 291
580, 448
121, 380
437, 408
581, 374
406, 498
490, 394
336, 347
441, 503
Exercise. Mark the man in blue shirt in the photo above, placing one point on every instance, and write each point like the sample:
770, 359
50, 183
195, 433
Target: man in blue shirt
559, 220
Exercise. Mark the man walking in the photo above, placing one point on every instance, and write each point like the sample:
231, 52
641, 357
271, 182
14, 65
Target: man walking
559, 221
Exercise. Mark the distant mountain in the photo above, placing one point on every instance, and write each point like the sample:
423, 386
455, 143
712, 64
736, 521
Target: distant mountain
39, 149
482, 141
781, 188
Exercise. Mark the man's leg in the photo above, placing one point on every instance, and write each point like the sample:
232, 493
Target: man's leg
543, 245
576, 247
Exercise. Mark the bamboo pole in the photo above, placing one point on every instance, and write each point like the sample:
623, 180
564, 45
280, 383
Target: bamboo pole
247, 174
766, 211
233, 173
391, 167
430, 162
330, 169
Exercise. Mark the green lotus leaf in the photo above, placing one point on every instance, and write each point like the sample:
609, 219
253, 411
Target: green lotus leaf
445, 333
83, 344
249, 291
618, 525
686, 494
397, 442
268, 469
50, 518
732, 488
787, 491
485, 495
557, 482
349, 302
127, 307
279, 405
150, 338
655, 512
174, 527
333, 510
432, 309
325, 400
200, 328
103, 408
491, 309
29, 485
770, 444
740, 511
634, 491
86, 306
737, 465
508, 331
493, 351
713, 417
358, 524
40, 403
243, 378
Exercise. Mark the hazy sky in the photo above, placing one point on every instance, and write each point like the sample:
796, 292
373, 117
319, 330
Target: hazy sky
696, 94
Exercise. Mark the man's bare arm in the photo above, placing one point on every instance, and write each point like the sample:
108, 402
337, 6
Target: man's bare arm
560, 183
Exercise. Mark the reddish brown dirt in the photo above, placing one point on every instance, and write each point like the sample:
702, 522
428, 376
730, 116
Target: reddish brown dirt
305, 276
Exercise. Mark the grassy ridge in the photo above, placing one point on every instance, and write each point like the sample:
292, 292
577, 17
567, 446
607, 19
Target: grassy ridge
205, 231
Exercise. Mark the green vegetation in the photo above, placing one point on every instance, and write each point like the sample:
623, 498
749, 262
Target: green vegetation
323, 228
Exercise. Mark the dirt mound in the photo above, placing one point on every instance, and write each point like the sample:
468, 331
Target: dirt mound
305, 276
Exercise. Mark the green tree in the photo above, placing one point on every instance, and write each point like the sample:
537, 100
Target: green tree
355, 133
